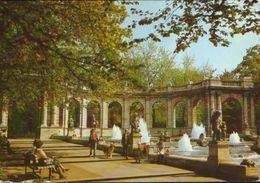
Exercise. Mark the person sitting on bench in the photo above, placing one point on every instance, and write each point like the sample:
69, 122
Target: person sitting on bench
45, 160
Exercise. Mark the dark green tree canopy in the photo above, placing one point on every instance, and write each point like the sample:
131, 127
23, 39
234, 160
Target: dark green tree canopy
250, 65
60, 47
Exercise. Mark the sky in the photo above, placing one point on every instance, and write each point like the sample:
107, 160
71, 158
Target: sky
220, 58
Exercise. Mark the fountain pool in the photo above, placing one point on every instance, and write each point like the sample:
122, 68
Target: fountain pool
197, 130
184, 143
144, 132
234, 138
116, 133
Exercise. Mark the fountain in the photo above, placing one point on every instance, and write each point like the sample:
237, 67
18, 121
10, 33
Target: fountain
144, 132
234, 138
184, 143
116, 133
197, 130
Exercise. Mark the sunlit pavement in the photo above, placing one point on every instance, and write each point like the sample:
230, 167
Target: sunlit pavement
84, 168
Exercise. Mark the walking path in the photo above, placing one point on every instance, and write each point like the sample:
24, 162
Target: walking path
83, 168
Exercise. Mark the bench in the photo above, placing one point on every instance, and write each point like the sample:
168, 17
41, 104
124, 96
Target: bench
5, 145
31, 162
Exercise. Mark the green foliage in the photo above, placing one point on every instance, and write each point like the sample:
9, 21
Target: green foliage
74, 114
189, 20
226, 75
156, 68
153, 66
160, 115
61, 47
181, 114
3, 172
232, 115
201, 114
24, 120
250, 65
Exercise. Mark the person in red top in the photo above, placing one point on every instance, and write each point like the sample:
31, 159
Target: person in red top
93, 139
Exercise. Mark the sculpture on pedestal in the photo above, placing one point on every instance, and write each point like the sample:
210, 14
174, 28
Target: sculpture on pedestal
135, 124
94, 121
215, 124
223, 128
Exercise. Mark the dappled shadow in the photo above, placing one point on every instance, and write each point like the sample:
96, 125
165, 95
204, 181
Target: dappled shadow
21, 177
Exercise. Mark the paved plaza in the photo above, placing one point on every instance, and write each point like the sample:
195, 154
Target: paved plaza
84, 168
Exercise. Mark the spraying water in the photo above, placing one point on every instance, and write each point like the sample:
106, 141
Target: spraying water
197, 130
144, 132
116, 133
184, 143
234, 138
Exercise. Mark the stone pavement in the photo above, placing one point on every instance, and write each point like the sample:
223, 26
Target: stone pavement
83, 168
118, 171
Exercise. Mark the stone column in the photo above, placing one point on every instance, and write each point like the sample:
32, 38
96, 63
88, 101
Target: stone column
55, 122
66, 118
4, 119
104, 114
170, 114
4, 111
211, 108
148, 113
45, 114
189, 110
84, 113
219, 103
252, 112
174, 118
126, 114
245, 110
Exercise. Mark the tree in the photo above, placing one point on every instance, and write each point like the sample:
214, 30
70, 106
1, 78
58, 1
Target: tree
154, 66
227, 75
250, 64
188, 73
190, 20
61, 47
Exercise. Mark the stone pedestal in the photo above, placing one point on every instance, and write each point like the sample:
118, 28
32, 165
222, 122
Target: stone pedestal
136, 138
220, 164
218, 153
247, 131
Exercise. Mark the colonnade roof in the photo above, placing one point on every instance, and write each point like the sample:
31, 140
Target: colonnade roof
214, 84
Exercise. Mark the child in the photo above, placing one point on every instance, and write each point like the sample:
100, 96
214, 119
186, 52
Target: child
167, 153
160, 151
138, 154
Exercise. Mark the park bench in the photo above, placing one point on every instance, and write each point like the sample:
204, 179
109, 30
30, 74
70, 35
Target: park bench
31, 162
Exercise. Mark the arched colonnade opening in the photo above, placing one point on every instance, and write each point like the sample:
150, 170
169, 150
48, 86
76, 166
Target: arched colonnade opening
181, 114
159, 114
114, 114
232, 115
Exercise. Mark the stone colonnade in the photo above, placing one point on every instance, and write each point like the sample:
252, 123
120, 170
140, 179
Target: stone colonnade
210, 93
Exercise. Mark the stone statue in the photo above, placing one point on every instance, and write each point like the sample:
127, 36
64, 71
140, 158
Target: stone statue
215, 124
135, 124
94, 121
202, 141
223, 128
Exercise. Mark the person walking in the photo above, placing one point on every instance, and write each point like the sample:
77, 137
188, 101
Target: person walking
93, 139
126, 142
